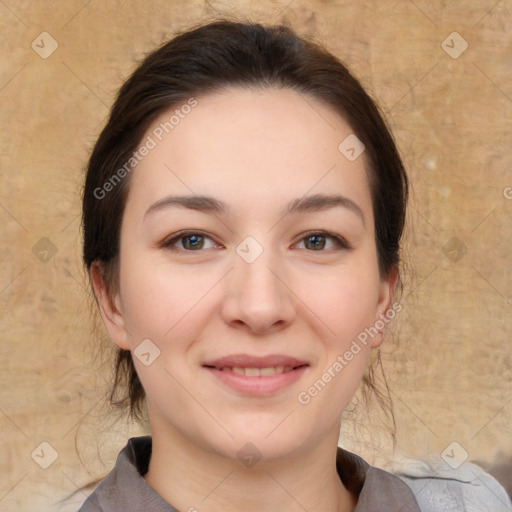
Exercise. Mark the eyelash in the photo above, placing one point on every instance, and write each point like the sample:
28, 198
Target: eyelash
339, 241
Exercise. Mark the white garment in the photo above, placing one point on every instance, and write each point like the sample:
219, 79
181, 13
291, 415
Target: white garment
440, 488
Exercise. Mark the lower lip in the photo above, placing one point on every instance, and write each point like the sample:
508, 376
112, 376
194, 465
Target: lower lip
262, 385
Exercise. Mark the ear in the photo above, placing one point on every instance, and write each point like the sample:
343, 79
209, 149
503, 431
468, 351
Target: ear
386, 291
110, 307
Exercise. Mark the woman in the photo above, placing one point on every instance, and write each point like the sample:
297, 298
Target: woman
242, 217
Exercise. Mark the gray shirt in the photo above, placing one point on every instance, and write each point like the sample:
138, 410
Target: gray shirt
125, 490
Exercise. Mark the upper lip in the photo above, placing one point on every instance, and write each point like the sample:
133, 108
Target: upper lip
248, 361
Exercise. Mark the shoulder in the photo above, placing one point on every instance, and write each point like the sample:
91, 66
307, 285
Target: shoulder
375, 488
387, 490
124, 488
441, 488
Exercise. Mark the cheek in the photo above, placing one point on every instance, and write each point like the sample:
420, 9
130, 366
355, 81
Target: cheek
162, 303
171, 309
345, 307
345, 303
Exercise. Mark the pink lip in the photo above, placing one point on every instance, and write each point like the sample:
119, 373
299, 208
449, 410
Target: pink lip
262, 385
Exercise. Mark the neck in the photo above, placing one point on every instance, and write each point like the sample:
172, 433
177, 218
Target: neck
191, 478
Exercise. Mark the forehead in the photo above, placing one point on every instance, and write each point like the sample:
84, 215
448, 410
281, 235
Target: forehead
244, 144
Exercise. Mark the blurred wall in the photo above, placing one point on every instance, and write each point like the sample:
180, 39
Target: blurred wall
441, 72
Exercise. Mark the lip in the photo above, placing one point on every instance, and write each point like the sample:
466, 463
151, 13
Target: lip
262, 385
248, 361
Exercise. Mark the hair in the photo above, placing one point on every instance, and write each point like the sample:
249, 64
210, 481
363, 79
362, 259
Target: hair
211, 58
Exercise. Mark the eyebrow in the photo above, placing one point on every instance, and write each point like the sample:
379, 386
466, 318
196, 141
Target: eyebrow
207, 204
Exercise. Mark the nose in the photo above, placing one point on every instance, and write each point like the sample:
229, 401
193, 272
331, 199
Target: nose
257, 298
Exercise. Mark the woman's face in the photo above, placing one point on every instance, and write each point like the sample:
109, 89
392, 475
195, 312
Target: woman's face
248, 267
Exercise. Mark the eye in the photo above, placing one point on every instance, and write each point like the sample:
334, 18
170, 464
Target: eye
191, 241
322, 240
188, 241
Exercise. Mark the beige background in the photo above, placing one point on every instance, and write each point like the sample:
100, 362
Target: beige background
451, 366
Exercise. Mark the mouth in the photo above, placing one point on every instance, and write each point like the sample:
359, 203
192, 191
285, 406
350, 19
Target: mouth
256, 372
255, 366
261, 376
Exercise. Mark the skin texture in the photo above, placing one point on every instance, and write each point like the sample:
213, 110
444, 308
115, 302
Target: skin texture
255, 150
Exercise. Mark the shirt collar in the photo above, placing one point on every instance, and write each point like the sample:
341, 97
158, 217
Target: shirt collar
125, 488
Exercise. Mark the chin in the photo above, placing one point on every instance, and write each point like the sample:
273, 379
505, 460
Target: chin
266, 440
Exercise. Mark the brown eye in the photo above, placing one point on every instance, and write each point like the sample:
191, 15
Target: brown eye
190, 241
321, 241
315, 242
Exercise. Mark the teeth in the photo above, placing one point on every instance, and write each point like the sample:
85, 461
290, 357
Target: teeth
256, 372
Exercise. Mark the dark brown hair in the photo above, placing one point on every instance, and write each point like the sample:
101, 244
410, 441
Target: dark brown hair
204, 60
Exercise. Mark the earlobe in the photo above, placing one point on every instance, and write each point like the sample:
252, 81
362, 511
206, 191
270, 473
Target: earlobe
109, 306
